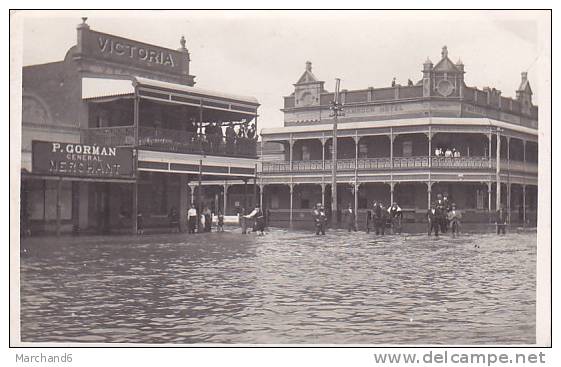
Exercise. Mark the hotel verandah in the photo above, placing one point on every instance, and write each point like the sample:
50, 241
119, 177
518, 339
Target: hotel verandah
386, 148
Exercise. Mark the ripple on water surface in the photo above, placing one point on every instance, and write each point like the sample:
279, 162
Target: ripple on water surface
285, 287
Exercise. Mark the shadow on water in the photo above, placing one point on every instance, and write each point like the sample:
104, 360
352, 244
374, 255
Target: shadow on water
284, 287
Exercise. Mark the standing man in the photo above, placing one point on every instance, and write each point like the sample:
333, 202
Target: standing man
501, 219
379, 218
433, 220
349, 218
396, 217
319, 219
192, 218
454, 217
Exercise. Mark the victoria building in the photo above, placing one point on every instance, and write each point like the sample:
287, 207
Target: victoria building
117, 134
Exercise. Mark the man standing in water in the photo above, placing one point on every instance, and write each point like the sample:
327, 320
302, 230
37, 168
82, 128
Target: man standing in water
396, 217
379, 217
192, 218
501, 219
319, 219
257, 213
349, 218
433, 220
454, 217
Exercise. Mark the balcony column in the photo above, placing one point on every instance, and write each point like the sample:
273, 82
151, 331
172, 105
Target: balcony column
192, 187
225, 197
429, 189
291, 187
322, 153
291, 145
392, 185
524, 157
508, 184
524, 205
261, 188
498, 171
392, 137
429, 136
489, 192
323, 195
183, 201
490, 137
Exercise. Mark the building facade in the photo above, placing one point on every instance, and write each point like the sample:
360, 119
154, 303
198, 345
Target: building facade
405, 144
162, 138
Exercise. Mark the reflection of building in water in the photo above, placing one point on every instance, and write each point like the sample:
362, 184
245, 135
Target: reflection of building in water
119, 93
405, 144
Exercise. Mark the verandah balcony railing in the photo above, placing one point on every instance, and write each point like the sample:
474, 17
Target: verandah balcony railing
177, 141
398, 163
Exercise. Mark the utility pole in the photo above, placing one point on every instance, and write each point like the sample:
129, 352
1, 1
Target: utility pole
336, 111
498, 172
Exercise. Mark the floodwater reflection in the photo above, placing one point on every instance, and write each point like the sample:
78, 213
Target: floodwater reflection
284, 287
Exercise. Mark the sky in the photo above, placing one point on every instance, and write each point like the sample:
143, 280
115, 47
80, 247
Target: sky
263, 53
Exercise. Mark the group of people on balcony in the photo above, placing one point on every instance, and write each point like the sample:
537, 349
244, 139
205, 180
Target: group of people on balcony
447, 152
210, 138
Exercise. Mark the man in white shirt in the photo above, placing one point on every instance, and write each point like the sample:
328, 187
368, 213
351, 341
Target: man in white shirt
192, 218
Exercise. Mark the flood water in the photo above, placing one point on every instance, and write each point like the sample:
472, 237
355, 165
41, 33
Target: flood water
285, 287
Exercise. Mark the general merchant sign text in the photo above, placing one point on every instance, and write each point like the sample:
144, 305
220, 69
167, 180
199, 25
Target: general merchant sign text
70, 159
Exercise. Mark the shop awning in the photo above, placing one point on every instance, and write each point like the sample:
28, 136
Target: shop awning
182, 94
105, 89
93, 88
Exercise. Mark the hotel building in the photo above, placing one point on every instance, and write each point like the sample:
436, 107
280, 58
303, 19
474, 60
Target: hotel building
389, 142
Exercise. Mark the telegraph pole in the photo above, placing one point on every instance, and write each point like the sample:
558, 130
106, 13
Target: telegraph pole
336, 111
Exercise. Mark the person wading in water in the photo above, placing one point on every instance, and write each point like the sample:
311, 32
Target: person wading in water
319, 219
257, 213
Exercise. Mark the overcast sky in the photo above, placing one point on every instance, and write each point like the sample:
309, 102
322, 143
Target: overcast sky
262, 54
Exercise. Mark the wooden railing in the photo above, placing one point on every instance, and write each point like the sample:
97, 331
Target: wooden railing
168, 140
112, 136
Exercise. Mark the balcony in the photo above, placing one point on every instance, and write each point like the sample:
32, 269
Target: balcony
175, 141
399, 163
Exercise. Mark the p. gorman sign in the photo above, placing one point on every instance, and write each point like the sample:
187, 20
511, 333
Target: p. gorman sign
81, 160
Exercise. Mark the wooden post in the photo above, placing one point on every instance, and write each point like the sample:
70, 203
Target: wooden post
524, 205
255, 185
136, 123
291, 186
199, 210
58, 207
225, 197
498, 171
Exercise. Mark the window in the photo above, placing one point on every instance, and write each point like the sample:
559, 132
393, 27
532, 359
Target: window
42, 197
363, 151
407, 148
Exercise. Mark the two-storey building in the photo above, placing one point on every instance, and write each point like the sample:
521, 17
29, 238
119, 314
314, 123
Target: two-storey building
117, 133
405, 144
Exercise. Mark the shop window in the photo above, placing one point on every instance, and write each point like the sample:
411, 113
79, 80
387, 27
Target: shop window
407, 148
305, 204
42, 199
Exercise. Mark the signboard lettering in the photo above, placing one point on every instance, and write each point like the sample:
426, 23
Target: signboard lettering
71, 159
122, 48
102, 46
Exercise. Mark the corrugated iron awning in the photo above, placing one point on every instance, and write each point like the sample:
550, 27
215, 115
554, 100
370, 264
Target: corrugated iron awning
93, 88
